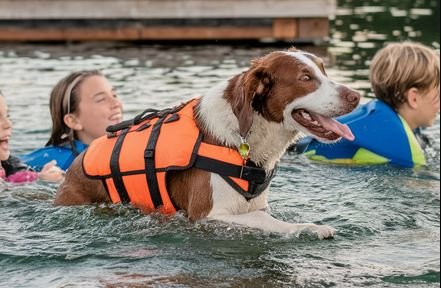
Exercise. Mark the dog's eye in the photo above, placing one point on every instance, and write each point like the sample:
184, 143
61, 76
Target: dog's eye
306, 78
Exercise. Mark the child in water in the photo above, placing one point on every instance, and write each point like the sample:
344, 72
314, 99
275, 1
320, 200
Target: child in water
405, 78
11, 168
82, 105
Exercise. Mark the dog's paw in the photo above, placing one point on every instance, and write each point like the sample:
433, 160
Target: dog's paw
323, 231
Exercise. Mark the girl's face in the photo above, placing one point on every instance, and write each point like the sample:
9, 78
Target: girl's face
98, 108
5, 130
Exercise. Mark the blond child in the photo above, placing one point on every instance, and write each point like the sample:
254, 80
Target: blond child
405, 78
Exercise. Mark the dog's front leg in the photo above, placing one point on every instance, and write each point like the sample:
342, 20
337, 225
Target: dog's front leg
264, 221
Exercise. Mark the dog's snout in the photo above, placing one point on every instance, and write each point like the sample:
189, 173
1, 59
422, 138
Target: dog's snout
351, 96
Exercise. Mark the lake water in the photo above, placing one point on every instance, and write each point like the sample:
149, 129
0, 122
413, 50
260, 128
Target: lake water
387, 218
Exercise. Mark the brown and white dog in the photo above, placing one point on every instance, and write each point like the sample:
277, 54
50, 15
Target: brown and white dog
281, 94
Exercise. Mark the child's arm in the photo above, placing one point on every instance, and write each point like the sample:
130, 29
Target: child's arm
51, 172
18, 172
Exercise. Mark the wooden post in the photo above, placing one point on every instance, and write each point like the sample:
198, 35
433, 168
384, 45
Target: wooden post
285, 28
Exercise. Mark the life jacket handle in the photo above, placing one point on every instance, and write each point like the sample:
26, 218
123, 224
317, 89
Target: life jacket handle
146, 114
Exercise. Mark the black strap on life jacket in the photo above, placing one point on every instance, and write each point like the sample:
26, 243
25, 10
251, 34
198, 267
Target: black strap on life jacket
149, 152
258, 179
116, 171
150, 168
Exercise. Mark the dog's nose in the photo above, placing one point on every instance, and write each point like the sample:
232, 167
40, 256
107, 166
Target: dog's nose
352, 96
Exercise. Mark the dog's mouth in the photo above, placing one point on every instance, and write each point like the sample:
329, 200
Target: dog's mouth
321, 126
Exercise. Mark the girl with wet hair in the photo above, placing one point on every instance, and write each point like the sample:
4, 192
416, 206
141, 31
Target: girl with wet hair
82, 105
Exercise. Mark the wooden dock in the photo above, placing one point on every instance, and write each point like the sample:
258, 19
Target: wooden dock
162, 20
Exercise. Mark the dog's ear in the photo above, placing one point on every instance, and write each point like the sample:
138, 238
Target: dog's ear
256, 82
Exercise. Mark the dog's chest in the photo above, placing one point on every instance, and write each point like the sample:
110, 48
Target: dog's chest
227, 201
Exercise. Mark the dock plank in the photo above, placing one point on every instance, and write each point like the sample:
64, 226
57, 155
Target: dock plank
163, 9
85, 20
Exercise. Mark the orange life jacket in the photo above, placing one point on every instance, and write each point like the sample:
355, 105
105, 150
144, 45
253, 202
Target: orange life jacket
134, 159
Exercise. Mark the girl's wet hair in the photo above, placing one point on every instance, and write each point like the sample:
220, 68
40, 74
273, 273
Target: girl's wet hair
400, 66
63, 101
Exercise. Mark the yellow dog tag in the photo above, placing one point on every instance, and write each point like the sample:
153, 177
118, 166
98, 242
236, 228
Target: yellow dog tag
244, 150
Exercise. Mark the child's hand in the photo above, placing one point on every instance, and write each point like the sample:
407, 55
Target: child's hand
51, 172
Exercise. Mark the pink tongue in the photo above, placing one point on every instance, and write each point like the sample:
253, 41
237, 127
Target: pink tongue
332, 125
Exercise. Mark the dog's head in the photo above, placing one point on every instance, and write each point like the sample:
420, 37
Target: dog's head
292, 88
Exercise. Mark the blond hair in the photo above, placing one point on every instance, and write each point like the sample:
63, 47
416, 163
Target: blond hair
400, 66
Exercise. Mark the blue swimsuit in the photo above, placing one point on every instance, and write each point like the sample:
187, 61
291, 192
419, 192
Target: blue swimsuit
64, 155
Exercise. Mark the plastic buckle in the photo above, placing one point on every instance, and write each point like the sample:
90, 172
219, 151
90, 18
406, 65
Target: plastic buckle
149, 154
